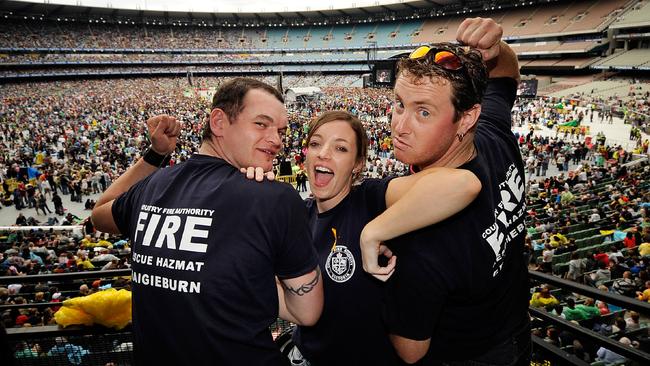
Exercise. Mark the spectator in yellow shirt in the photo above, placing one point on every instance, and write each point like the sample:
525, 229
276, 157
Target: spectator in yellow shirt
644, 250
543, 298
558, 240
84, 262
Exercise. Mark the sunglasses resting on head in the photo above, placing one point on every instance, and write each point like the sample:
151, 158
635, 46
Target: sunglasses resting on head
443, 57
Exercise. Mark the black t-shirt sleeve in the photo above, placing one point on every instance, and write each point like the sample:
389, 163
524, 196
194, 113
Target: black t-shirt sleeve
119, 210
498, 101
296, 254
374, 194
413, 305
124, 206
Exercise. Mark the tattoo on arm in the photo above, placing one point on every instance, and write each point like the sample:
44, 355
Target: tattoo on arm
304, 288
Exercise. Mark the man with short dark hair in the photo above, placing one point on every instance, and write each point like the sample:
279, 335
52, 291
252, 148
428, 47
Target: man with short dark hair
208, 244
459, 292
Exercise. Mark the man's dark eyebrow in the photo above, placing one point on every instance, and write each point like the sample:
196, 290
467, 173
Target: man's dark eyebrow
419, 102
264, 116
428, 104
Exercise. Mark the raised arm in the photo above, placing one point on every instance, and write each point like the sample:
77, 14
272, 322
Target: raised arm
301, 298
415, 202
164, 131
505, 65
485, 34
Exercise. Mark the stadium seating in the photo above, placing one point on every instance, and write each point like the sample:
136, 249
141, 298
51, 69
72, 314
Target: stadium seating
638, 16
631, 58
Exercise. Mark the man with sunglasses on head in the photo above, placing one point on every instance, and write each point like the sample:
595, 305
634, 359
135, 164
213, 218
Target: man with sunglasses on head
459, 292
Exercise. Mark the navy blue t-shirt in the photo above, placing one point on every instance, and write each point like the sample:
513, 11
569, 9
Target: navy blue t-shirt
207, 243
463, 282
350, 331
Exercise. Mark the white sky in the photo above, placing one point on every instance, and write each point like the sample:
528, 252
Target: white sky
224, 6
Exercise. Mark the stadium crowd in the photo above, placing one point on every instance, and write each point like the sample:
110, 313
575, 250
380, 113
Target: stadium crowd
590, 225
46, 34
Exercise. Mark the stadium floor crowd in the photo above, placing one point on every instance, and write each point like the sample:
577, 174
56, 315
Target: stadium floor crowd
617, 134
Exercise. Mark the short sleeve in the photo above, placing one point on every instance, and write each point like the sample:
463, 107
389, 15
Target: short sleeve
123, 207
296, 254
374, 194
413, 306
498, 101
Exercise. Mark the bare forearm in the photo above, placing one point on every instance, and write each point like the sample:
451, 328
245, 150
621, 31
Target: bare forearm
400, 186
164, 131
433, 198
505, 64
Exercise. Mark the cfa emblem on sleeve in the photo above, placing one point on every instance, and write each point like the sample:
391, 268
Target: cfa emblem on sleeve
340, 264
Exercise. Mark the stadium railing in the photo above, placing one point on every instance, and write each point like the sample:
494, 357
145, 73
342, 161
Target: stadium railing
626, 303
103, 345
108, 345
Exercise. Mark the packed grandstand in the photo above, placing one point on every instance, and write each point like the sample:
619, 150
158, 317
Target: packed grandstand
78, 82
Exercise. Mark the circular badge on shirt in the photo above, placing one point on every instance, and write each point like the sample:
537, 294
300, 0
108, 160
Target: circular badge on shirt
340, 264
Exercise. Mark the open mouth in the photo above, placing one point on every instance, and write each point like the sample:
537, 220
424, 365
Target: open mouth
322, 176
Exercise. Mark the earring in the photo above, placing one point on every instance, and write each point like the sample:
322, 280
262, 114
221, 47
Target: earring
460, 136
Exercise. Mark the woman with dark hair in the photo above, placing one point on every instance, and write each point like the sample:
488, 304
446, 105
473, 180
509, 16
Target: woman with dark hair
350, 329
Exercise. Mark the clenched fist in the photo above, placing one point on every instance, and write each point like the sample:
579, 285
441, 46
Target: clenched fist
484, 34
163, 132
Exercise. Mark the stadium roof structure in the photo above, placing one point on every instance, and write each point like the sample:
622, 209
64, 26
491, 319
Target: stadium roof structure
242, 6
241, 13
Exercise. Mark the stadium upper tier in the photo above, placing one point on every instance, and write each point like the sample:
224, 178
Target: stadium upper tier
577, 17
181, 71
604, 89
52, 59
632, 59
638, 16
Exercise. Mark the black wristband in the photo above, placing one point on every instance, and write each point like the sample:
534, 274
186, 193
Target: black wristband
155, 159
